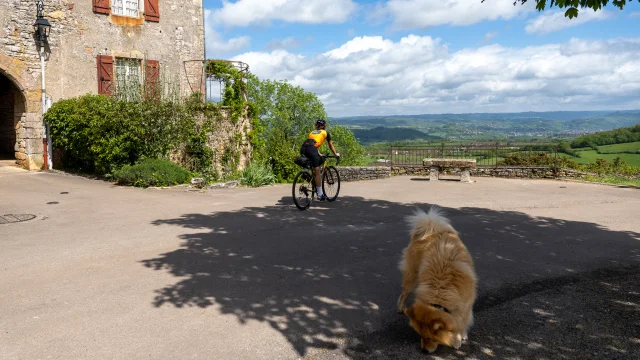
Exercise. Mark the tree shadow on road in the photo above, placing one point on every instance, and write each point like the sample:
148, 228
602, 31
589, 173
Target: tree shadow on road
327, 278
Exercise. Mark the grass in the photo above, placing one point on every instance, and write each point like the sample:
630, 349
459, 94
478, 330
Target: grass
616, 180
590, 156
620, 148
256, 175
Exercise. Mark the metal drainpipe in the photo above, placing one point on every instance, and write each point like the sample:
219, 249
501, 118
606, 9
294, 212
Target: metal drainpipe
45, 132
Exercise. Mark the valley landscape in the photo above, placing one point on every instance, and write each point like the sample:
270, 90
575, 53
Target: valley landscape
525, 126
603, 142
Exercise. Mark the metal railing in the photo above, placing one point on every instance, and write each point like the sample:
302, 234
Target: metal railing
486, 155
210, 87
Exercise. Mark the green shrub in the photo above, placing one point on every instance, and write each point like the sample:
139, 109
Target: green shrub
258, 174
601, 166
100, 134
541, 159
152, 172
617, 168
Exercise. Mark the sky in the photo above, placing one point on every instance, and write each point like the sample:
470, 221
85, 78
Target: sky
402, 57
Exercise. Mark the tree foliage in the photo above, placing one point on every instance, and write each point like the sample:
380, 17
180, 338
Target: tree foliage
287, 114
617, 136
572, 5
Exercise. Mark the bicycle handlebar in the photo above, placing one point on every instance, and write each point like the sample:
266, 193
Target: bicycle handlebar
332, 157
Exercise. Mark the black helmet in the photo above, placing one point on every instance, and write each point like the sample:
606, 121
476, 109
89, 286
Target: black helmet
320, 122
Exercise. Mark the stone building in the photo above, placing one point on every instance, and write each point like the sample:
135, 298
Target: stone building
94, 46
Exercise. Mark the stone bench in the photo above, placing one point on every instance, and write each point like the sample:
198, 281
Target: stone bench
437, 165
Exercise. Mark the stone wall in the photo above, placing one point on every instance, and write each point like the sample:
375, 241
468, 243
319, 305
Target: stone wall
530, 172
357, 173
231, 139
231, 147
78, 35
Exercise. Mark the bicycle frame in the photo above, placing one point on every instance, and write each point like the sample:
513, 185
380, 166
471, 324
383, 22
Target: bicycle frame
323, 169
309, 172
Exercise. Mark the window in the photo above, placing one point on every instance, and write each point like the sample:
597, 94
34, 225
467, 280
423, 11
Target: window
128, 76
130, 80
131, 8
125, 8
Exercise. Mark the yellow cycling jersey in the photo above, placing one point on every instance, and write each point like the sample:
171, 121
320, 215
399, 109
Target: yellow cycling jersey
318, 136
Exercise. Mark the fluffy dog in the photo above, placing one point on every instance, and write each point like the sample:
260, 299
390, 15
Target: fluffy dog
438, 269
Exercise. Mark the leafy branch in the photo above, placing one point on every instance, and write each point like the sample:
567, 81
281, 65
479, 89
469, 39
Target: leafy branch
572, 5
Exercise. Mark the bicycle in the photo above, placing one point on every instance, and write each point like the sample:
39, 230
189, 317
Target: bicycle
305, 181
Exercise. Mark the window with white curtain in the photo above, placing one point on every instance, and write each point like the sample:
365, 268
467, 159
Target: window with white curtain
125, 7
128, 75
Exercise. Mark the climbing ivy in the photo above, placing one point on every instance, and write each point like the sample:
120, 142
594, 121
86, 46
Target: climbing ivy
233, 79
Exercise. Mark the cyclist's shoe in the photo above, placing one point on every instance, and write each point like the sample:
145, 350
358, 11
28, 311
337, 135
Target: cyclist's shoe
322, 198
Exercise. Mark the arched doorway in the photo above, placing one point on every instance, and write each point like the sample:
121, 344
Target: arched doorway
12, 108
20, 113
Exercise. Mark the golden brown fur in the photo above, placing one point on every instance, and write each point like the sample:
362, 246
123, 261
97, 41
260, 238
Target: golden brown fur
438, 269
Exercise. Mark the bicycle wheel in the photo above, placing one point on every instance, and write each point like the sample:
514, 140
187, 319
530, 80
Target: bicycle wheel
302, 191
331, 183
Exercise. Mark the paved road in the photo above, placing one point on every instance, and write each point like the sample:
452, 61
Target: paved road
106, 272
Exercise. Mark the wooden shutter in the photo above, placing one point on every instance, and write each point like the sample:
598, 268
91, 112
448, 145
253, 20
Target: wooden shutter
101, 6
151, 10
105, 74
152, 78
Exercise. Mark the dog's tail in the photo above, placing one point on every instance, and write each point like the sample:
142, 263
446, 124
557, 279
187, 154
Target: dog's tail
424, 224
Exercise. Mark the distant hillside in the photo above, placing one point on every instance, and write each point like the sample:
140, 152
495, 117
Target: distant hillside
489, 126
383, 134
617, 136
614, 120
549, 115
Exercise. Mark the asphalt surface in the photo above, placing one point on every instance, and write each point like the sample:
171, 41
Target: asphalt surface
89, 270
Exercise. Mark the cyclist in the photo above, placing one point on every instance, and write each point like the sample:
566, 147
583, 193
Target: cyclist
310, 150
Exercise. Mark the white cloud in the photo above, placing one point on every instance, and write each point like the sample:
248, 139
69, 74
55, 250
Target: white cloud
286, 43
248, 12
216, 45
556, 21
489, 36
635, 14
407, 14
417, 74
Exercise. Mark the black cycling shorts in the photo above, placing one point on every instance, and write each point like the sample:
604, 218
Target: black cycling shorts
311, 152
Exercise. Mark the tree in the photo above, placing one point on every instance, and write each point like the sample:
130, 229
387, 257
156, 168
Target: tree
351, 151
572, 5
287, 114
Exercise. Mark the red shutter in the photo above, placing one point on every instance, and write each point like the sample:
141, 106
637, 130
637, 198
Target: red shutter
152, 78
101, 6
151, 10
105, 74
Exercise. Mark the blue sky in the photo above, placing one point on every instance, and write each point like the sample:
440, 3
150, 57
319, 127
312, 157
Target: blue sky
434, 56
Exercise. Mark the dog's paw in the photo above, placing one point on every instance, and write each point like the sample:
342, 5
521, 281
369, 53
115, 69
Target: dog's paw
465, 338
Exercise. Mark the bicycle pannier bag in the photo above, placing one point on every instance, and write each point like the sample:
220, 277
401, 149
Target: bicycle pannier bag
301, 160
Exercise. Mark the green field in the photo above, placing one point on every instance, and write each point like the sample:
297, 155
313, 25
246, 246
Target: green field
620, 148
590, 156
